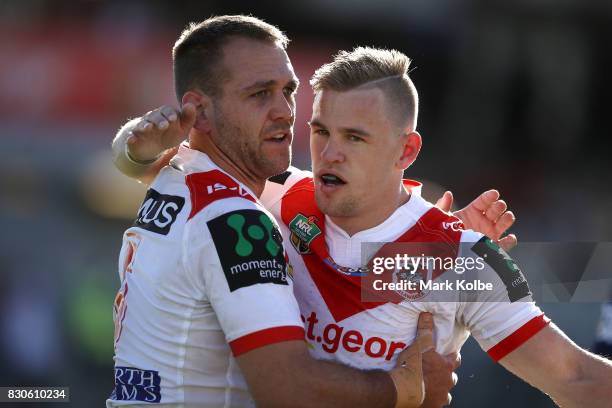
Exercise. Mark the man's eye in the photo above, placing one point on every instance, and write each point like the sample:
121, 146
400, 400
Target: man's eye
354, 138
261, 93
289, 91
321, 132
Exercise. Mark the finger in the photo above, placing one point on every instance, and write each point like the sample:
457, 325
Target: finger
495, 210
505, 221
455, 378
449, 399
141, 130
131, 139
508, 242
144, 125
450, 360
445, 202
424, 336
169, 113
453, 360
484, 201
158, 120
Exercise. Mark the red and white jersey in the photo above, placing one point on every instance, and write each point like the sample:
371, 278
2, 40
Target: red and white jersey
204, 278
328, 263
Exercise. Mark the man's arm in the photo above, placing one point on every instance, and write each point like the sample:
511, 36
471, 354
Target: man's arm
143, 146
284, 374
514, 331
571, 376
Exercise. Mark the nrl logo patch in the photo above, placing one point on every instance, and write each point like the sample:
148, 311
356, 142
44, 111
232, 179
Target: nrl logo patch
303, 231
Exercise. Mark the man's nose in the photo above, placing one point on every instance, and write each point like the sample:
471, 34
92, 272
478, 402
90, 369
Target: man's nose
332, 153
283, 108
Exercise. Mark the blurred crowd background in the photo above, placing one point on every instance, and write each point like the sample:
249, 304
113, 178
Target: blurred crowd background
514, 95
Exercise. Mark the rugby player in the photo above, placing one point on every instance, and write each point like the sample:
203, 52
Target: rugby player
206, 315
365, 110
363, 137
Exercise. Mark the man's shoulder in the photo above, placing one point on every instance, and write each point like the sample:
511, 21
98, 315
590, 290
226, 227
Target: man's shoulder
290, 176
164, 205
224, 205
436, 224
214, 192
278, 186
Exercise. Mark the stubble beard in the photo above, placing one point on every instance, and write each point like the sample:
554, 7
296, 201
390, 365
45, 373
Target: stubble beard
341, 207
246, 152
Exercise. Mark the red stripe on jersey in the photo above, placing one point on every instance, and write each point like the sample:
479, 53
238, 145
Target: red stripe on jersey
411, 184
265, 337
518, 337
210, 186
342, 292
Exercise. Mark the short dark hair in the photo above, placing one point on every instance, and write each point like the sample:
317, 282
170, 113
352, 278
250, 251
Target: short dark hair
198, 51
380, 68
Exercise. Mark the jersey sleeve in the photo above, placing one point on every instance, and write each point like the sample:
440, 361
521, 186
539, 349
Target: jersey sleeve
245, 275
503, 318
277, 186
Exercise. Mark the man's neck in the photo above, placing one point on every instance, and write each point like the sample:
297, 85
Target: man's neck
204, 144
354, 224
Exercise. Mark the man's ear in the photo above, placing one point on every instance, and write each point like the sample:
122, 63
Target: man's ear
203, 106
411, 146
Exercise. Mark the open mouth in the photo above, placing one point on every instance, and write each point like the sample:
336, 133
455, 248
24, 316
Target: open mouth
329, 179
278, 138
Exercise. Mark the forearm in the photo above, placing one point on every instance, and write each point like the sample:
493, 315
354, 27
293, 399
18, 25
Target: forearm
571, 376
334, 385
590, 386
284, 374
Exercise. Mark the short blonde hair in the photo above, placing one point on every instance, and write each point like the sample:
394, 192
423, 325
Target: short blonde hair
375, 67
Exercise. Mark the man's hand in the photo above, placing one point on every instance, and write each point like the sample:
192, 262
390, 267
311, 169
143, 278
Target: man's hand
160, 129
487, 214
437, 369
421, 372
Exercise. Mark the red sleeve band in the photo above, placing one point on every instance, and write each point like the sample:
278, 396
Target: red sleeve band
518, 337
265, 337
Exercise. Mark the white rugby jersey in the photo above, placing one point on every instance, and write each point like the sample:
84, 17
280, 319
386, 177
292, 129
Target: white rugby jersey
204, 278
327, 265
